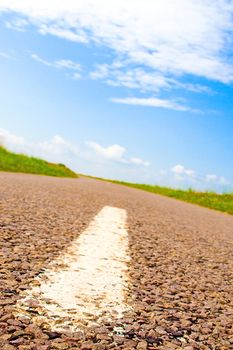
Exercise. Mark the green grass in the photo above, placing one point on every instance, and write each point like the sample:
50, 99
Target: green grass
212, 200
222, 202
13, 162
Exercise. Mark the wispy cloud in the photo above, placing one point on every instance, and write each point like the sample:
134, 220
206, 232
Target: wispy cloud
192, 177
139, 161
215, 179
68, 64
117, 74
171, 36
142, 79
63, 32
155, 45
75, 67
152, 102
41, 60
18, 24
5, 55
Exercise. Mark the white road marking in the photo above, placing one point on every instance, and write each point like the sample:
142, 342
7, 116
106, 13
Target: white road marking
88, 281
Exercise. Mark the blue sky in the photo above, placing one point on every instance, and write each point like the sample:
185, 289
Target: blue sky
133, 90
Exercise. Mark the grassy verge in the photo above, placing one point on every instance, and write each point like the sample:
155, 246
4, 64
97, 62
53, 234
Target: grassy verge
13, 162
222, 202
212, 200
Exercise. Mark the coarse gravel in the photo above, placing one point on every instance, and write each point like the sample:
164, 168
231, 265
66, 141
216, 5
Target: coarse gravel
180, 271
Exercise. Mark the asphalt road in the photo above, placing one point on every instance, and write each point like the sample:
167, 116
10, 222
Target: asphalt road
179, 278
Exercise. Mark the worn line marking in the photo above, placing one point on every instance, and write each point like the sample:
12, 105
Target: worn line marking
88, 282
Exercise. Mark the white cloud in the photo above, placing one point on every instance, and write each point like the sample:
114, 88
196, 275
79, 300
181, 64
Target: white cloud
211, 177
102, 71
68, 64
60, 150
41, 60
57, 146
75, 67
172, 37
10, 140
178, 169
77, 76
5, 55
154, 45
62, 63
181, 172
62, 32
152, 102
116, 153
139, 161
118, 74
18, 24
113, 152
54, 150
199, 181
215, 179
190, 172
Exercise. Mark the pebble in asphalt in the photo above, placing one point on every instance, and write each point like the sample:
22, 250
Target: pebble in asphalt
180, 267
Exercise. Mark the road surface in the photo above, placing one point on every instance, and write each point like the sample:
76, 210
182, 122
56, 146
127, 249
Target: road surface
87, 264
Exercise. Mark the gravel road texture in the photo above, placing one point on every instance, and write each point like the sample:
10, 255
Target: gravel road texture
180, 272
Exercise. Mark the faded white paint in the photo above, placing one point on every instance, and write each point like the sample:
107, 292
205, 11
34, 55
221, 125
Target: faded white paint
87, 282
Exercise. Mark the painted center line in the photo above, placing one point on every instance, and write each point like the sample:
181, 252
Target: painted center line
87, 282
